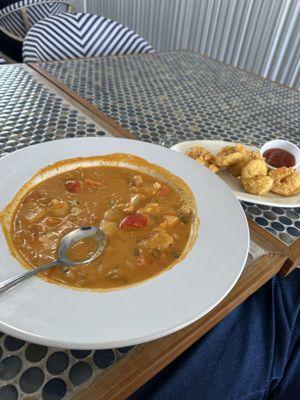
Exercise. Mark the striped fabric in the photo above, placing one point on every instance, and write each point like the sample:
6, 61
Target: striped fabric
37, 13
80, 35
12, 21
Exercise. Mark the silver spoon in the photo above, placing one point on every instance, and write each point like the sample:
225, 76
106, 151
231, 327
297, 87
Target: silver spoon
62, 259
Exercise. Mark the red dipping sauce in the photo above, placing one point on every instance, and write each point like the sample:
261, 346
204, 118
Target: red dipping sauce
278, 158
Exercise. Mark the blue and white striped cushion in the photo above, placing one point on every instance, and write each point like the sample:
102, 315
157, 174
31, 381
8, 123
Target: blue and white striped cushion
41, 11
12, 21
28, 3
80, 35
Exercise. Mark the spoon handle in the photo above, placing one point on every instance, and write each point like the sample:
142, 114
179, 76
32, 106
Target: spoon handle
10, 283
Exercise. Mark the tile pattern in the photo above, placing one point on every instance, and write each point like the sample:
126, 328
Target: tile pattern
29, 370
29, 114
171, 97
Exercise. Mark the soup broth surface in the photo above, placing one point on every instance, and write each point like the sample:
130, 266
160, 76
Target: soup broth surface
146, 221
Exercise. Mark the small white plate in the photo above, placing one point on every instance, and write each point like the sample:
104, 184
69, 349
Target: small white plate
54, 315
214, 146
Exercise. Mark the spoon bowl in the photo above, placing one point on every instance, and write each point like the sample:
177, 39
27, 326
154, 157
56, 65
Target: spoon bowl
75, 236
62, 255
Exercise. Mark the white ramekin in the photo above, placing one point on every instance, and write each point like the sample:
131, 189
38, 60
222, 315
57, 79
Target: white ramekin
284, 145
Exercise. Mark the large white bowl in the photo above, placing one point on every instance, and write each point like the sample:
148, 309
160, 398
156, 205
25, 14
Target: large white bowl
53, 315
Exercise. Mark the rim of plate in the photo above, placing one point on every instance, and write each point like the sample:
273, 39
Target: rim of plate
188, 291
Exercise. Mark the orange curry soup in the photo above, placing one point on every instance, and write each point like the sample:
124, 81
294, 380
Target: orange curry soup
147, 222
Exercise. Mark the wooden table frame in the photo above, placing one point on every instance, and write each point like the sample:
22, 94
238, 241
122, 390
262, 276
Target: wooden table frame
146, 360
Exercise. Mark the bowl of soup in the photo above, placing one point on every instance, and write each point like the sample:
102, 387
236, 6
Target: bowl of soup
147, 213
177, 240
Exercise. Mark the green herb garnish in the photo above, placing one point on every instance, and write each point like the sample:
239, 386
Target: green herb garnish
175, 254
182, 219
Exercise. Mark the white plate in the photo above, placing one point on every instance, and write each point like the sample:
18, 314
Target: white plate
53, 315
214, 146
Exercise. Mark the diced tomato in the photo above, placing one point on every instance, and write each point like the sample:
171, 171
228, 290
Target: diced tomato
141, 261
134, 221
164, 191
73, 186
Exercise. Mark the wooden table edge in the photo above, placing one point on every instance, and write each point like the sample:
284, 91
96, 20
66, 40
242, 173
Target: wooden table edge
273, 244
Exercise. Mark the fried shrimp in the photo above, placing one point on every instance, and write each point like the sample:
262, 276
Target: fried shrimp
250, 168
259, 185
204, 157
254, 176
229, 155
255, 155
286, 181
236, 168
254, 168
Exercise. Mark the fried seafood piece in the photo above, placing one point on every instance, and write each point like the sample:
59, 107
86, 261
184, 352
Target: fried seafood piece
160, 240
254, 176
229, 155
255, 168
236, 168
255, 155
259, 185
204, 157
286, 181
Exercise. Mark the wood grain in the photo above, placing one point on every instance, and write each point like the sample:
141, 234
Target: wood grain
118, 130
271, 243
25, 19
294, 259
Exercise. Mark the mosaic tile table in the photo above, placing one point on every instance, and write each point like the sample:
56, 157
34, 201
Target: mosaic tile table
170, 97
33, 110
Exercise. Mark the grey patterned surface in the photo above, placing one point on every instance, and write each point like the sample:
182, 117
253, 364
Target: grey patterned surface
29, 114
39, 372
171, 97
